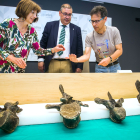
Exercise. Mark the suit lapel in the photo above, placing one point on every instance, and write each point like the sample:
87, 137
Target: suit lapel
71, 34
56, 26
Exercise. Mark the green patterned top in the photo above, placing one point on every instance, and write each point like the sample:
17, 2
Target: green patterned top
12, 42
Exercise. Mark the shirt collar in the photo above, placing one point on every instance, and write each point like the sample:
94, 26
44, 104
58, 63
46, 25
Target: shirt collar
60, 24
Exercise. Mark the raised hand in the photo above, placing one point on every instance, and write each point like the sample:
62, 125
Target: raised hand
72, 57
58, 48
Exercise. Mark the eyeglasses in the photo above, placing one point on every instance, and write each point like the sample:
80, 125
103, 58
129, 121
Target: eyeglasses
34, 13
96, 21
65, 14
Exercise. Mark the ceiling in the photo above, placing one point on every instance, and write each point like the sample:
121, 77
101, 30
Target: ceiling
130, 3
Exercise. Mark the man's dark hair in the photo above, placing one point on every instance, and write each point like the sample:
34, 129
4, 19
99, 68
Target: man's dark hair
99, 10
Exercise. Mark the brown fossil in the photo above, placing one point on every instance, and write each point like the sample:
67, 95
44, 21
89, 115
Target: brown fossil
8, 118
117, 112
138, 89
69, 109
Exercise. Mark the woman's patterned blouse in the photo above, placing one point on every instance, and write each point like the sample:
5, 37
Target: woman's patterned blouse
12, 42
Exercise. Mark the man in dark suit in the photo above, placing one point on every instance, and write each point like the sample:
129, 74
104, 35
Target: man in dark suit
65, 33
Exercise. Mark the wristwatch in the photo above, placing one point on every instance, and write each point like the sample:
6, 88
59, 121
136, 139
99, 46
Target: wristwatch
110, 58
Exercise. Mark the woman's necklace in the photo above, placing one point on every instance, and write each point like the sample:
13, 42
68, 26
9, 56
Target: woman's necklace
22, 20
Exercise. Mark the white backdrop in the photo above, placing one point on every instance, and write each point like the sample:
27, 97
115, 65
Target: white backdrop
45, 16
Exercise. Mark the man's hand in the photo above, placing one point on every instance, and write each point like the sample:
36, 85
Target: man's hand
41, 66
58, 48
104, 62
18, 61
72, 57
78, 70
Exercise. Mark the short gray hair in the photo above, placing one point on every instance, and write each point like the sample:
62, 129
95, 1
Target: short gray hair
65, 6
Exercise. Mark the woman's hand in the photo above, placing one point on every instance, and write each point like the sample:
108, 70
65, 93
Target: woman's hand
58, 48
18, 61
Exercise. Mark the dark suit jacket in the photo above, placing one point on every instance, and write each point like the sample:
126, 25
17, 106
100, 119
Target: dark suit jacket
49, 40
